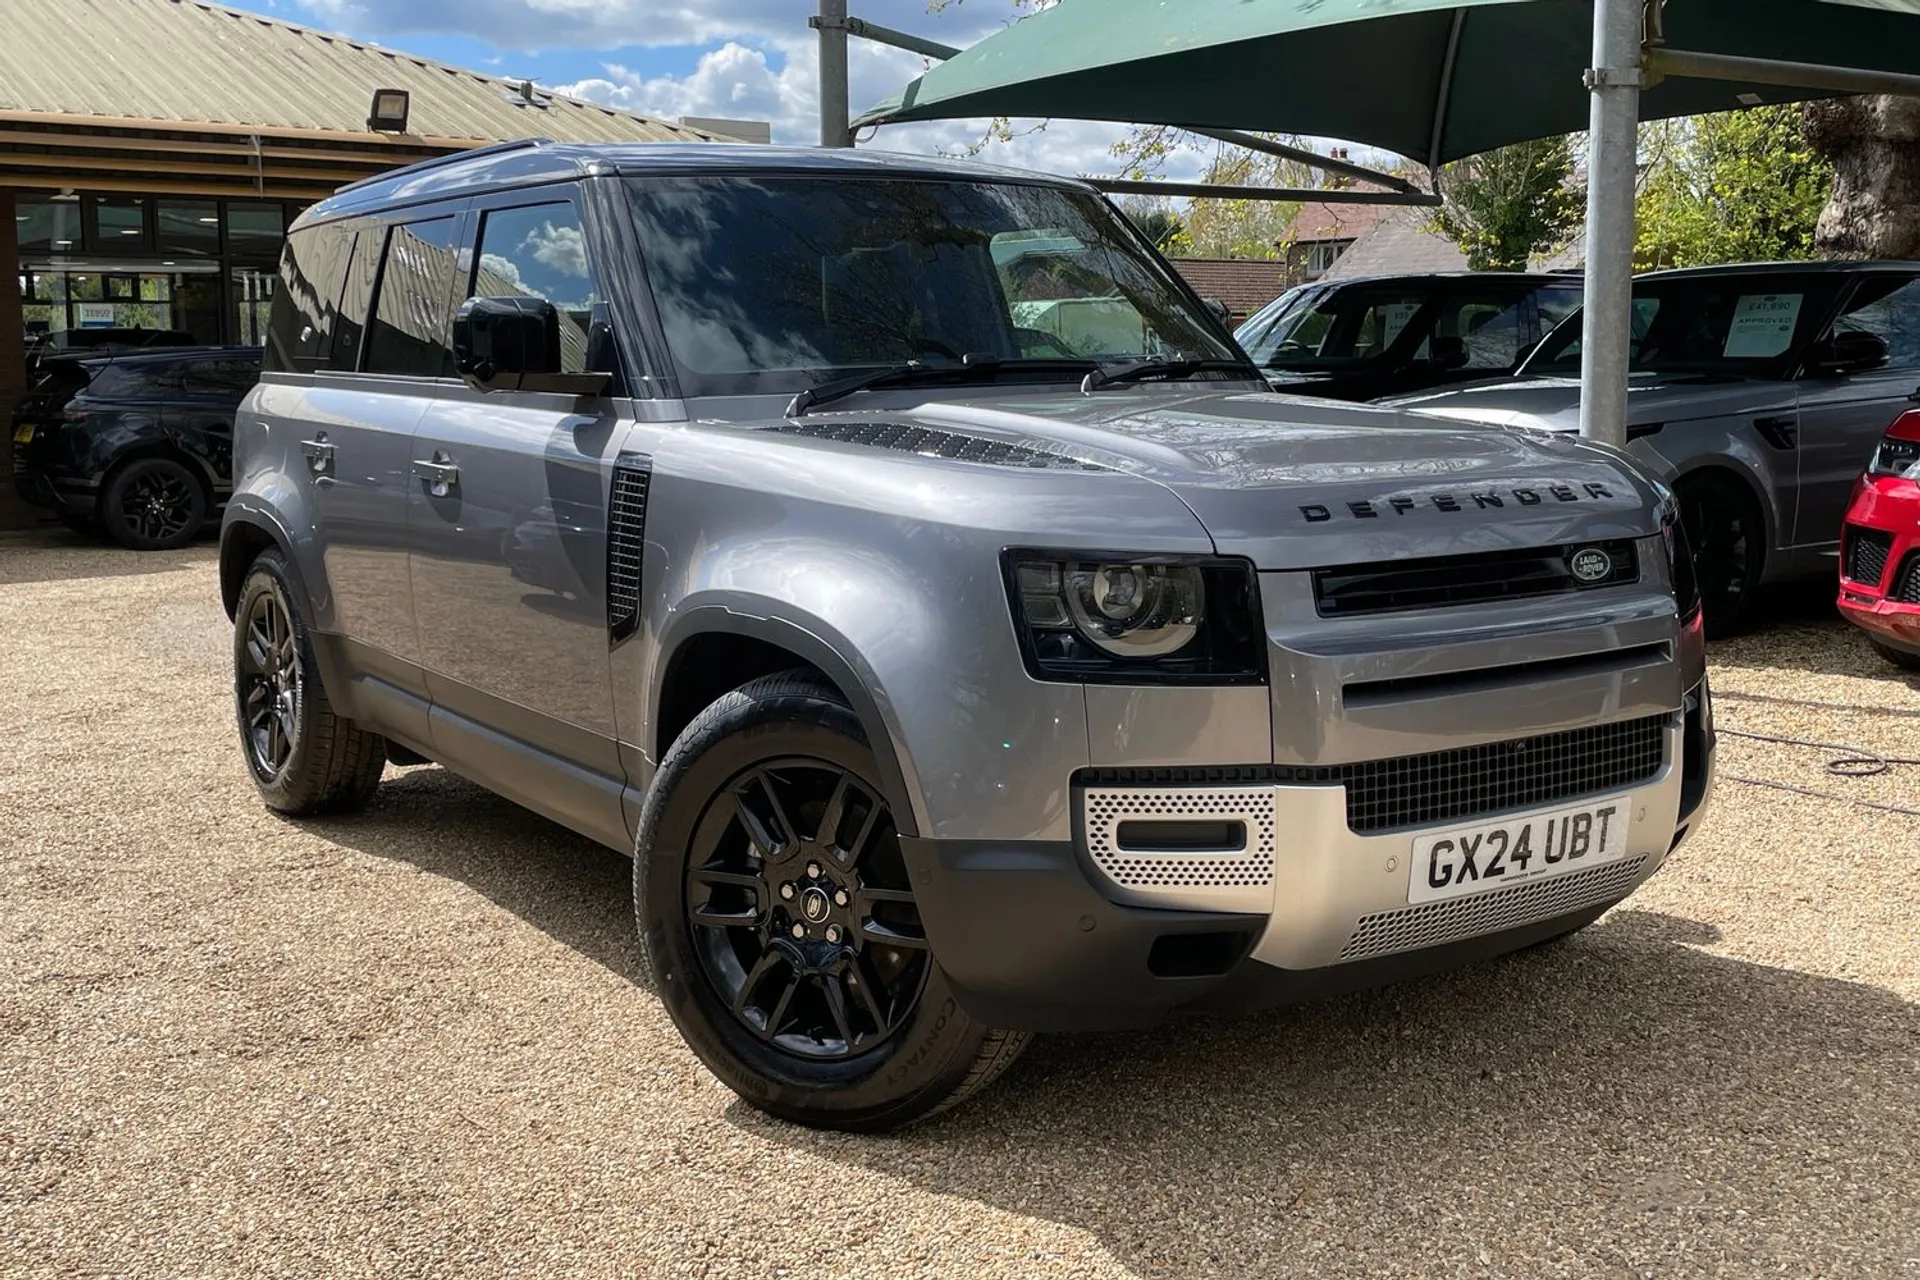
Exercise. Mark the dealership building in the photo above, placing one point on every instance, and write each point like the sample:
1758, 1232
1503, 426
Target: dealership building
153, 152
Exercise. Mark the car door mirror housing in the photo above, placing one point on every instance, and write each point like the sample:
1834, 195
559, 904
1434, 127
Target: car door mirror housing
1221, 311
513, 343
1448, 353
1850, 352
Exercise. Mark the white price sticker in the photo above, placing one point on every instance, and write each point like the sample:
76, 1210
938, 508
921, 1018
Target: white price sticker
1763, 325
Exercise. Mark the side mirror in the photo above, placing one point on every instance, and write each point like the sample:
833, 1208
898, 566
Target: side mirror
513, 344
1849, 352
1447, 353
1221, 311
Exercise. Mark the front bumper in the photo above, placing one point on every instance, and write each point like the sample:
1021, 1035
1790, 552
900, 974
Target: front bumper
1038, 936
1880, 561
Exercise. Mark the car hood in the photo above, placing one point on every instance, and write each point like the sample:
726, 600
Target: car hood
1553, 404
1279, 478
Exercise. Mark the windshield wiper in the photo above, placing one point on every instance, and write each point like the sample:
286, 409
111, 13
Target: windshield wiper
974, 363
1139, 370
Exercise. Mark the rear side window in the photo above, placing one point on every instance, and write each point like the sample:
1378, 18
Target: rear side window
138, 380
539, 251
1889, 308
312, 268
412, 318
226, 379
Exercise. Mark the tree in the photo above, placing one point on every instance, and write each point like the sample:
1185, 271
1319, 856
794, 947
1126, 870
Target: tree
1873, 145
1505, 206
1156, 219
1737, 186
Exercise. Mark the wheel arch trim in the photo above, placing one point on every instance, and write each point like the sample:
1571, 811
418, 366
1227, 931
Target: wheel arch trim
818, 646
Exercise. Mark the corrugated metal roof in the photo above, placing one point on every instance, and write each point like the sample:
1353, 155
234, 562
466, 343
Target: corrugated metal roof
166, 60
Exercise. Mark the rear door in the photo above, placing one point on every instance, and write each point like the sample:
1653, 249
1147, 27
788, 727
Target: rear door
508, 521
1844, 415
200, 418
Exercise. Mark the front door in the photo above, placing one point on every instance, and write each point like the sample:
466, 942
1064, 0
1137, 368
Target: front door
1843, 416
508, 523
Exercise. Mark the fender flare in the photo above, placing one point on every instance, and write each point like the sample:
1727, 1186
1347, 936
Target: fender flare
241, 514
702, 620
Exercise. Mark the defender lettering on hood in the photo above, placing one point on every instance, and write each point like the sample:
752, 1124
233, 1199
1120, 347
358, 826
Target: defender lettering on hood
1372, 509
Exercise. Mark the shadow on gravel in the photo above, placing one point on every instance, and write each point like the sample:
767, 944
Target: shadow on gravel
1620, 1102
55, 553
1798, 627
572, 889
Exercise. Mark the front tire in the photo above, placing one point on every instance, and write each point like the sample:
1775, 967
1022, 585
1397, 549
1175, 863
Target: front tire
303, 757
1905, 659
778, 922
154, 504
1728, 537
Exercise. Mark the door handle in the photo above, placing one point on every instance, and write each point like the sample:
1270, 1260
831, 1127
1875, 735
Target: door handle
1782, 433
442, 477
319, 454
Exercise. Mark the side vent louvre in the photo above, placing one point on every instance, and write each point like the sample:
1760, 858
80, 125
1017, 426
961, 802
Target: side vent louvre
626, 543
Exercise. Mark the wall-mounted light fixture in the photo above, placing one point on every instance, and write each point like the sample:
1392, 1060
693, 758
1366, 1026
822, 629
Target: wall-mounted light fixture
389, 112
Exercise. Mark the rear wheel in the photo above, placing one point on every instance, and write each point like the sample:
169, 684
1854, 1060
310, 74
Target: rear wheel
779, 923
1728, 537
1905, 659
154, 504
304, 758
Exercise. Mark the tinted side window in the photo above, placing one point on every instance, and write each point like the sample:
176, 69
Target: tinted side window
1556, 305
355, 300
228, 379
538, 251
1889, 308
411, 318
146, 380
312, 267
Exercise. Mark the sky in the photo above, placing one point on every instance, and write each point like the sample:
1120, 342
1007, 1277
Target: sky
739, 59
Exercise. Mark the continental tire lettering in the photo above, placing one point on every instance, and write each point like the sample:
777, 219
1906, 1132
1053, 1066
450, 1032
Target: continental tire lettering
925, 1047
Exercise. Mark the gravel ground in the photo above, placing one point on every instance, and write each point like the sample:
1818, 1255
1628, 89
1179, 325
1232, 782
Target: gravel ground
408, 1043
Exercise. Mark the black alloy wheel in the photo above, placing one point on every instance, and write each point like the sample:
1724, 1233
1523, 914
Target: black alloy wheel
779, 926
304, 758
802, 914
1727, 537
154, 504
267, 668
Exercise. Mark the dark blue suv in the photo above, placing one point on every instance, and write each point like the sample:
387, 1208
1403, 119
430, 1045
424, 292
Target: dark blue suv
137, 446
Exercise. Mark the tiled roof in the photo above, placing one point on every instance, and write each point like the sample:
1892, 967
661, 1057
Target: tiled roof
1399, 244
1334, 221
1244, 284
181, 60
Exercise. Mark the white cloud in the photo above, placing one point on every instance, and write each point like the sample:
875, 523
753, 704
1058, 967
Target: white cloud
561, 248
595, 24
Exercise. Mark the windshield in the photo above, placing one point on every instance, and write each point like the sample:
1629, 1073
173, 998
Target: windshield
1464, 325
1735, 326
774, 284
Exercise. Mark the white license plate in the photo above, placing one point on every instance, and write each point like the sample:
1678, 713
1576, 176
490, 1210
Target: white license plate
1538, 846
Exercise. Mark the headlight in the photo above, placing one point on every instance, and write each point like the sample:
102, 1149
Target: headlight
1686, 584
1148, 620
1899, 451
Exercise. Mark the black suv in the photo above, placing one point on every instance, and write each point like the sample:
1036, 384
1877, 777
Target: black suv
1394, 335
140, 446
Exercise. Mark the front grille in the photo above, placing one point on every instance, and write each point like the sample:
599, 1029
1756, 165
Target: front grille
932, 443
1445, 581
1906, 588
1434, 924
1865, 557
1466, 782
1452, 785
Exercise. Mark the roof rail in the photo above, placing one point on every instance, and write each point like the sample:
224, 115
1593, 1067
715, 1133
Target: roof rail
435, 162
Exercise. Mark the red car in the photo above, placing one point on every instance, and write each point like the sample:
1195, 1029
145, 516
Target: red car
1880, 550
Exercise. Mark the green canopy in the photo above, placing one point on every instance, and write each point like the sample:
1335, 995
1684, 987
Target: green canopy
1433, 80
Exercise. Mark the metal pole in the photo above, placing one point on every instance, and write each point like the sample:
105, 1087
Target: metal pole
832, 24
1612, 171
1223, 191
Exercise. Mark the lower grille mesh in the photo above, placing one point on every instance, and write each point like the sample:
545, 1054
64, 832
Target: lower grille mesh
1418, 791
1251, 867
1865, 557
1907, 589
1434, 924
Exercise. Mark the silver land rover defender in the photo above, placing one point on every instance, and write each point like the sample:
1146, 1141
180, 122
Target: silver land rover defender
901, 562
